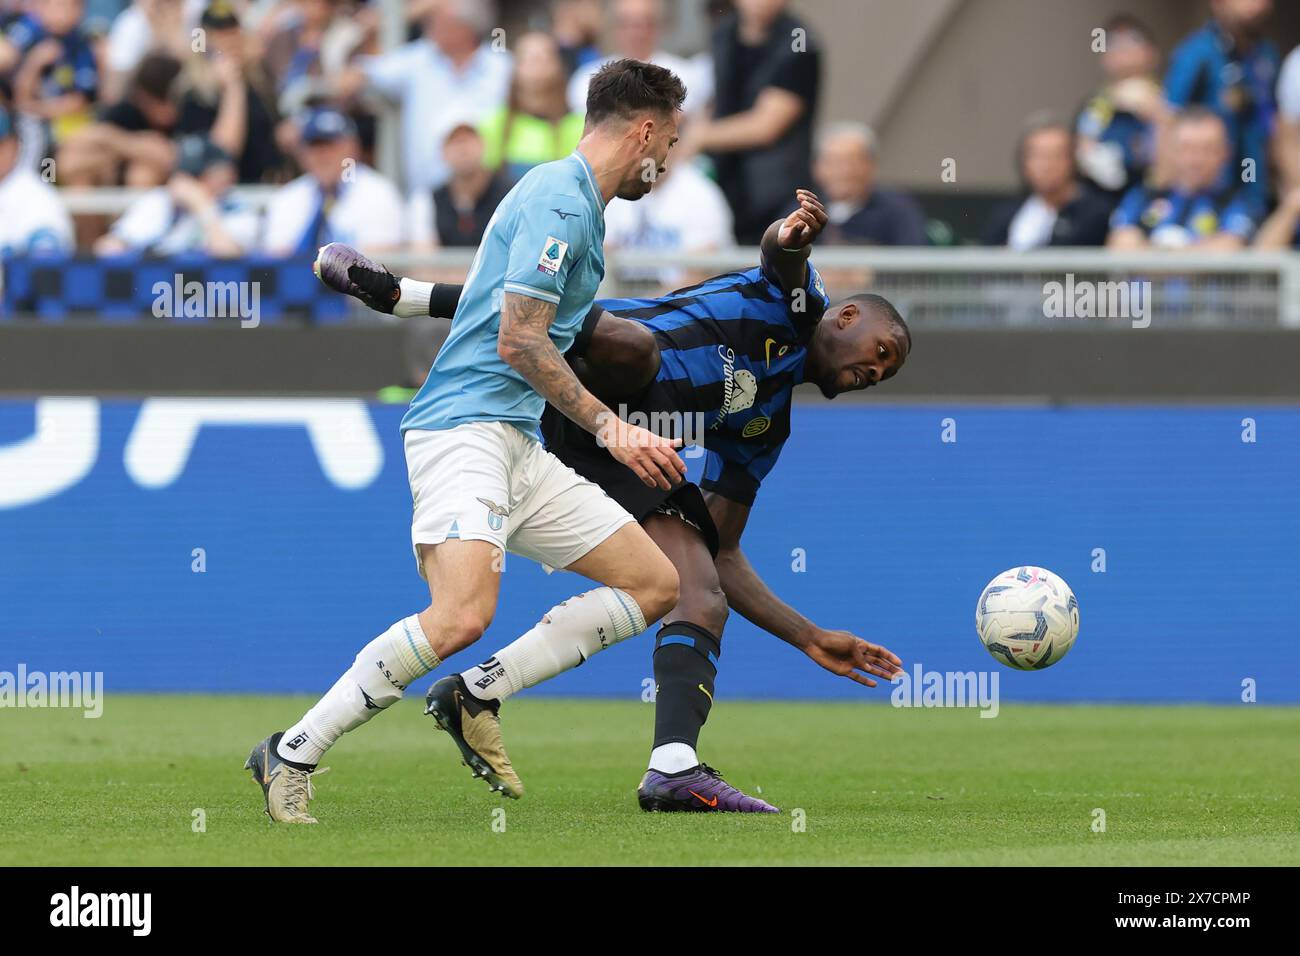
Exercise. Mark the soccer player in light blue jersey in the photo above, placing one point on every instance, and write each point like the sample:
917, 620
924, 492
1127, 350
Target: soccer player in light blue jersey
481, 480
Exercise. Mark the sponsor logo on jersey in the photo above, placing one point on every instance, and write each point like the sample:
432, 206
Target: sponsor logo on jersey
767, 351
739, 386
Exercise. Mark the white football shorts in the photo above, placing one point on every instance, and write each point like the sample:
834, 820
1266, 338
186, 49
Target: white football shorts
488, 481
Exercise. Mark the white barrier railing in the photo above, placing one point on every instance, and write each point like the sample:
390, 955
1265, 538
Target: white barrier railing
974, 287
114, 200
961, 286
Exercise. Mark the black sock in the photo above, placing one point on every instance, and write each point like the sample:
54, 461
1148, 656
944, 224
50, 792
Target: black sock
685, 661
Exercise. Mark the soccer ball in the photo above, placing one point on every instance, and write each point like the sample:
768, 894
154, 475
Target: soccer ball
1027, 618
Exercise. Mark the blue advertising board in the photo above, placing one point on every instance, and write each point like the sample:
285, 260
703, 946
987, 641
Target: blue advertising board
254, 545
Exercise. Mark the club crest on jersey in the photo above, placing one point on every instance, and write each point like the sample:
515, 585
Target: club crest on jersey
497, 514
755, 427
553, 251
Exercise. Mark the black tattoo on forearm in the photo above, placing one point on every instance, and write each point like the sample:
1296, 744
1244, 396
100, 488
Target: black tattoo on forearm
525, 344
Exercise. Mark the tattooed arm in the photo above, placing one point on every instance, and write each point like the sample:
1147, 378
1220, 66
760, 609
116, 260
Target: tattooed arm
525, 345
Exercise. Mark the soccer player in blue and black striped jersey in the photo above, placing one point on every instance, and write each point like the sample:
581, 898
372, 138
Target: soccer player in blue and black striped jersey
715, 363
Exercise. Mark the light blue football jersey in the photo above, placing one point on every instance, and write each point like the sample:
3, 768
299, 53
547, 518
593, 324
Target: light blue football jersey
546, 240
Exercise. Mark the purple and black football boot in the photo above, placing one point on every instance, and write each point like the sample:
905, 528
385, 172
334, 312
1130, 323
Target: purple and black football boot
700, 789
345, 270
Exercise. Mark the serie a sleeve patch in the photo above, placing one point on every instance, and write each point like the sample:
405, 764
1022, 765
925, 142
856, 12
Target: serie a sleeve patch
552, 255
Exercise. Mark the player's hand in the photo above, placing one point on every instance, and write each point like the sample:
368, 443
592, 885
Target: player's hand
652, 457
805, 224
849, 656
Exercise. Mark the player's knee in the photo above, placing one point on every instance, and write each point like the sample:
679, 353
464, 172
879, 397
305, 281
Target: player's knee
463, 628
705, 606
660, 591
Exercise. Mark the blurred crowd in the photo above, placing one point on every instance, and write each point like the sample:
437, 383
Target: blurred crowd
1195, 147
1186, 151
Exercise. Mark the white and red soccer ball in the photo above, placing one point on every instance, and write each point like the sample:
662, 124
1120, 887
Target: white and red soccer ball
1027, 618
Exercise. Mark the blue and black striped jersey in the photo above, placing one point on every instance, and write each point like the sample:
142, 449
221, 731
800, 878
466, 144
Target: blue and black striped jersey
733, 349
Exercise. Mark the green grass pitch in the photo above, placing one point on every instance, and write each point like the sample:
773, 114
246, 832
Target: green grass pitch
870, 784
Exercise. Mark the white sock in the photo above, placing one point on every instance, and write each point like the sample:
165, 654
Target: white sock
567, 635
375, 681
414, 299
671, 758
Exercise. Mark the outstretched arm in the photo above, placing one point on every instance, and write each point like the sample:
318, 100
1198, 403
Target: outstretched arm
840, 652
613, 357
787, 243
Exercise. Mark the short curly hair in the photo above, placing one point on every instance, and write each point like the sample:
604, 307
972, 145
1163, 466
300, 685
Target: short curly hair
885, 310
624, 88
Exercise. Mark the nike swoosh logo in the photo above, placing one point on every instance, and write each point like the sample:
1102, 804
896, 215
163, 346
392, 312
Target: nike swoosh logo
767, 352
706, 693
707, 803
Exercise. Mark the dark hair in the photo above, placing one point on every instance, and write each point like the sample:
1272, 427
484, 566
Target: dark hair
885, 310
1127, 23
624, 88
155, 75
